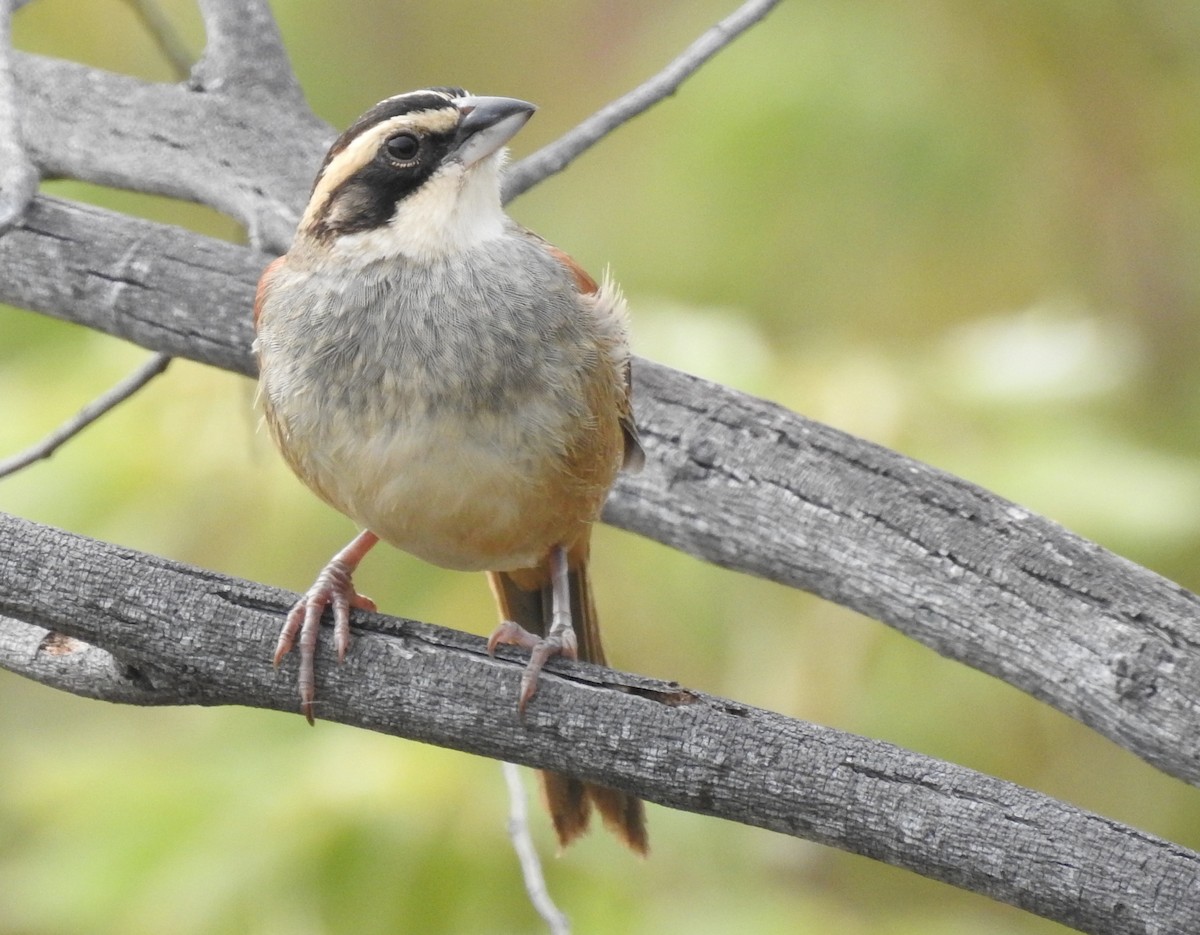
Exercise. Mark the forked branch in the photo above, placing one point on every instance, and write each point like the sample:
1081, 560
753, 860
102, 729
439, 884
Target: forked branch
732, 479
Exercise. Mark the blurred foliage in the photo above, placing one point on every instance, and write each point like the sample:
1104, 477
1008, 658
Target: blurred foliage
966, 230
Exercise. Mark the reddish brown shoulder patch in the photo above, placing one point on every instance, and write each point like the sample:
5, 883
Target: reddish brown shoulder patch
264, 281
585, 283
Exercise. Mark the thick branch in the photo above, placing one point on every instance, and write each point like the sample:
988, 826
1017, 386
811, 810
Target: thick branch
134, 279
18, 174
747, 485
73, 666
245, 53
221, 150
186, 635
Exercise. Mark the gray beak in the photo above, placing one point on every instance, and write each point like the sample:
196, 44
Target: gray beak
487, 124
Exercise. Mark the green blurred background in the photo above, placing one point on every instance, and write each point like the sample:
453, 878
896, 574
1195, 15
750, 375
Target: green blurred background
965, 230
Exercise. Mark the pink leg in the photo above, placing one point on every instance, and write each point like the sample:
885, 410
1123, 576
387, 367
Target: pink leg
333, 588
560, 641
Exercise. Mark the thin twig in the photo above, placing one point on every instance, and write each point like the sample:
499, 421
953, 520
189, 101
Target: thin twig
558, 155
531, 866
86, 416
164, 33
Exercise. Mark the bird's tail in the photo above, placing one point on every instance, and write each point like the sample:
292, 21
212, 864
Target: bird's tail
524, 597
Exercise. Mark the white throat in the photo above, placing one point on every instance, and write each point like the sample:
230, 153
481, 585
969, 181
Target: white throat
457, 208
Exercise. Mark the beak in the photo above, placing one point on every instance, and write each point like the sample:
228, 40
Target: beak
487, 124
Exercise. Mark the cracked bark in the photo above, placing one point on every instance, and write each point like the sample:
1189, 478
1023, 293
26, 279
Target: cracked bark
750, 486
678, 748
731, 479
176, 140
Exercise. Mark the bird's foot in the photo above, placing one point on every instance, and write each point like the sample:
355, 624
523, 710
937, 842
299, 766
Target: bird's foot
333, 588
540, 648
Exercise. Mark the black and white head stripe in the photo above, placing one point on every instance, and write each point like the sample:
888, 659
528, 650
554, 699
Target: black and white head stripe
364, 174
401, 105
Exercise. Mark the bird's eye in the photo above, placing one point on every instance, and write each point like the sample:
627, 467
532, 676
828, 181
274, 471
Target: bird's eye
402, 146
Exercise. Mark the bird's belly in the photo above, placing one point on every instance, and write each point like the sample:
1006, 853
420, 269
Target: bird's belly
468, 496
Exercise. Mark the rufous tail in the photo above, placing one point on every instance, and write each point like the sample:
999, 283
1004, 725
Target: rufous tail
524, 597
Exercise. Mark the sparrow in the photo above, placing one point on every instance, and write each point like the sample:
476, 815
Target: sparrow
453, 383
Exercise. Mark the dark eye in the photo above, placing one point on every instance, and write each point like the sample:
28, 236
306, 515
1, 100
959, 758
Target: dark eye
402, 146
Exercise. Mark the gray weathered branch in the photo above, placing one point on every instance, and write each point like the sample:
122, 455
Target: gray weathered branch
18, 175
184, 635
731, 479
220, 149
244, 55
748, 485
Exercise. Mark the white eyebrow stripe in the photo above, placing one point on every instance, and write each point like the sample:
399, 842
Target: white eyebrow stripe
362, 149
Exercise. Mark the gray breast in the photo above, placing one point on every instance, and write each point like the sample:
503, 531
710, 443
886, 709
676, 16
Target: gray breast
481, 334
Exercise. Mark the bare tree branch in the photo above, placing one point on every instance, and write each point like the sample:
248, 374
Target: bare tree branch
245, 54
527, 855
70, 665
974, 576
111, 272
18, 175
86, 416
193, 636
562, 152
214, 148
731, 479
216, 140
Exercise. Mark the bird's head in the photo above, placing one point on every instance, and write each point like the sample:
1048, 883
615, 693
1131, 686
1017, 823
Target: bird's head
417, 175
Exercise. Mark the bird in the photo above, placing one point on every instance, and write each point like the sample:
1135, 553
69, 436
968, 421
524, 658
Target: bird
456, 385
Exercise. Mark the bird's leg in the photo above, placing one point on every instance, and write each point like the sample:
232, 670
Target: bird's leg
335, 588
559, 641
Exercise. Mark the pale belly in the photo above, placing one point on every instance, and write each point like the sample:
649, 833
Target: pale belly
470, 498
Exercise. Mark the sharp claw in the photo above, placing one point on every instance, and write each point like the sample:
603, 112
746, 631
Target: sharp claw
540, 650
335, 589
287, 635
528, 690
511, 634
341, 625
341, 640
